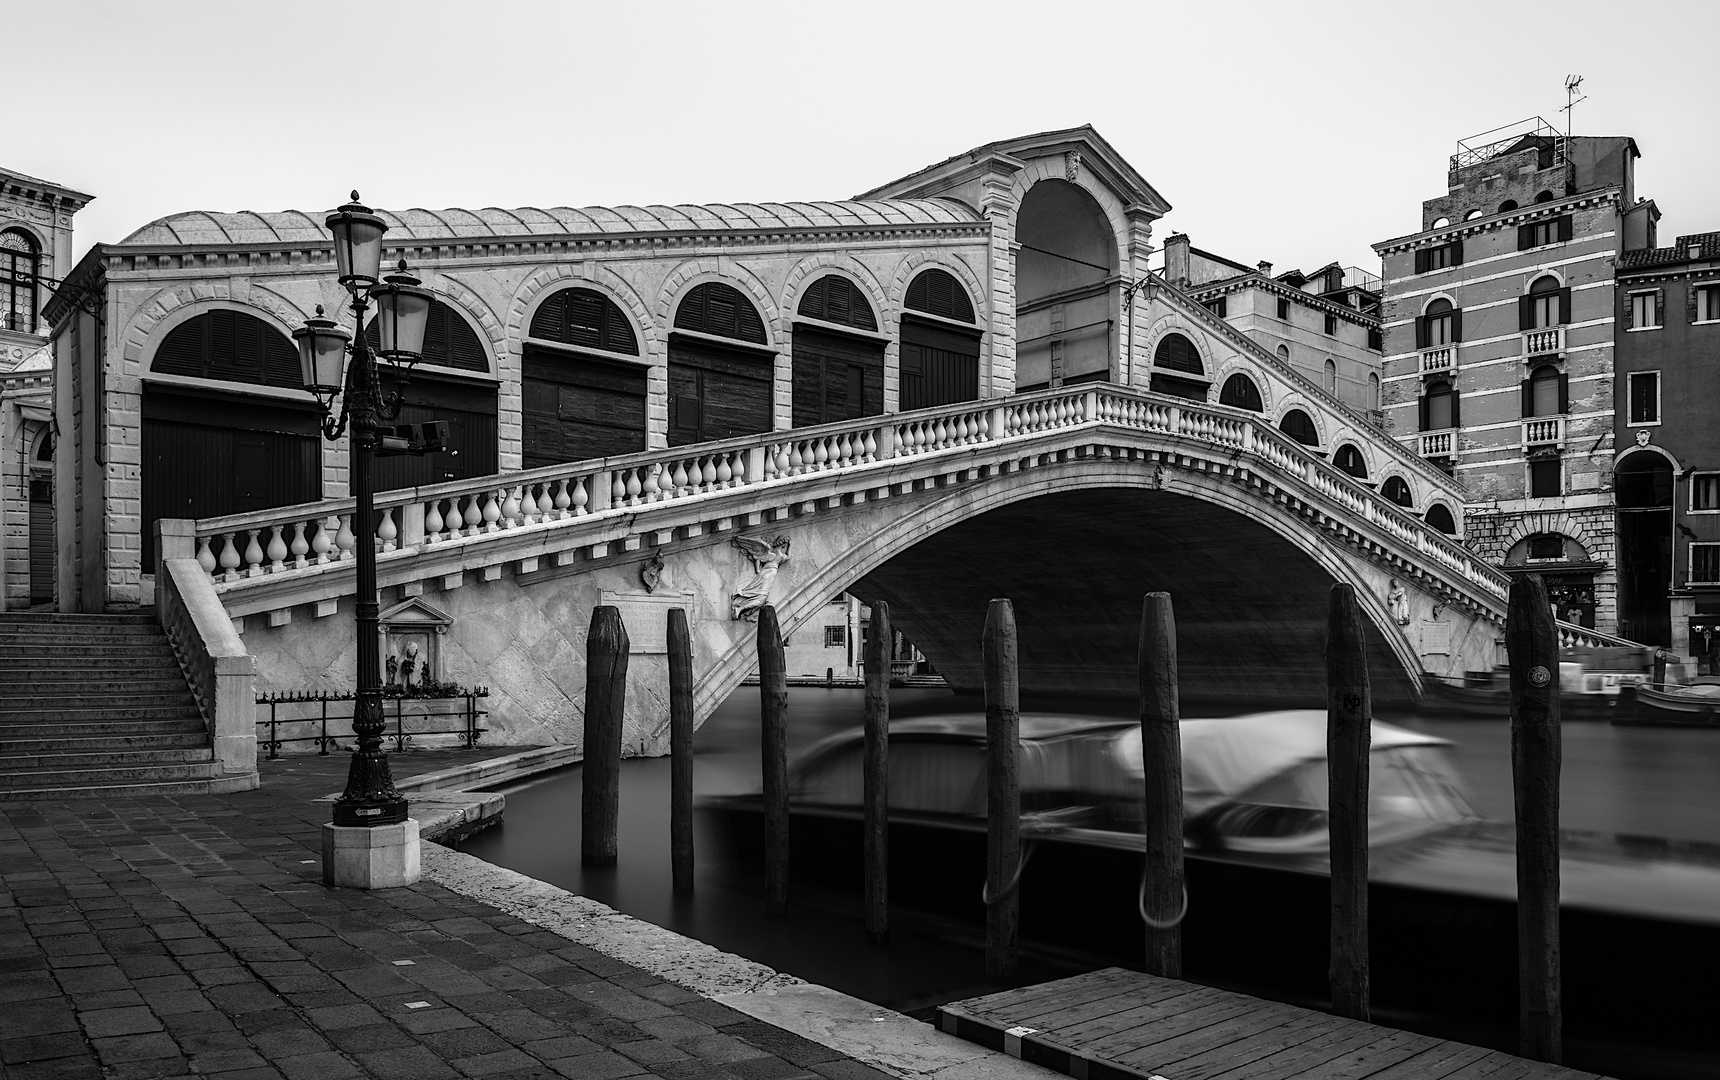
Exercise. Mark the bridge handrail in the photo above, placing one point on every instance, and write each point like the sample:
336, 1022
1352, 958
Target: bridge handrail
263, 543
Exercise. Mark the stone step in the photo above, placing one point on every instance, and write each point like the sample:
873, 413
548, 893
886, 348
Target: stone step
126, 694
54, 726
103, 742
20, 669
88, 757
107, 776
212, 785
63, 634
83, 652
87, 684
180, 708
27, 619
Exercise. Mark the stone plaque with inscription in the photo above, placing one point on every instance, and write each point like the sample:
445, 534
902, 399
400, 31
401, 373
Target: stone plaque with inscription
646, 616
1436, 637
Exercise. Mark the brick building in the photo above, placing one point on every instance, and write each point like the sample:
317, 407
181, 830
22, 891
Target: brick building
1667, 472
1499, 320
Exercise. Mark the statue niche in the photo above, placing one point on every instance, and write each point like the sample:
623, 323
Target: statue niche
412, 632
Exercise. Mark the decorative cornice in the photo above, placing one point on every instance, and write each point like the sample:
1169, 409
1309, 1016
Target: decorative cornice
1522, 214
1255, 279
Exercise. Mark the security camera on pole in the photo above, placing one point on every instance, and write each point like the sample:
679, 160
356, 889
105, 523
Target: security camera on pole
371, 843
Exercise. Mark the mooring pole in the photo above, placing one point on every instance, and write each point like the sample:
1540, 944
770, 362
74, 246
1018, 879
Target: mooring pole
1349, 712
875, 781
1532, 642
680, 751
1002, 791
773, 745
605, 705
1161, 759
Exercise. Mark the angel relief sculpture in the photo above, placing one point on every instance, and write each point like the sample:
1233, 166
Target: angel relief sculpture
766, 559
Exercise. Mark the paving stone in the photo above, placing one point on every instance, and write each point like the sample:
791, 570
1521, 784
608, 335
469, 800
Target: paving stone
217, 1061
324, 1066
102, 1023
604, 1065
407, 1063
123, 1048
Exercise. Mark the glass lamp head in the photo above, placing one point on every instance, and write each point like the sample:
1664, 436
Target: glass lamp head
322, 355
357, 236
402, 316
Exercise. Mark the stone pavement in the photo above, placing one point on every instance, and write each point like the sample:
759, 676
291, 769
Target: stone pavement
175, 936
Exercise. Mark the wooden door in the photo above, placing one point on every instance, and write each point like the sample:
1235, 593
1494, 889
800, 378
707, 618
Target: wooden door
939, 365
836, 377
42, 548
716, 392
470, 412
577, 407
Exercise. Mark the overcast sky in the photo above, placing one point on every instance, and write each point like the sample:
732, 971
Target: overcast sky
1295, 132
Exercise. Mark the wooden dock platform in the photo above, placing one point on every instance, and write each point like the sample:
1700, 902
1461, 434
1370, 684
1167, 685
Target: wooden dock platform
1115, 1023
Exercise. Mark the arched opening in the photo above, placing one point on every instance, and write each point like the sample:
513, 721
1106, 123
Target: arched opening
1300, 426
1175, 357
1240, 392
1397, 490
1439, 516
20, 269
1473, 214
582, 385
438, 392
1066, 298
1565, 565
1440, 223
1373, 392
837, 375
1545, 196
1284, 353
209, 448
1546, 392
940, 343
1438, 325
1546, 304
1642, 491
1329, 376
1350, 459
720, 371
43, 551
1507, 206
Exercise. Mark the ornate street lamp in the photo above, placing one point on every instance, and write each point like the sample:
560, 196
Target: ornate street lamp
403, 309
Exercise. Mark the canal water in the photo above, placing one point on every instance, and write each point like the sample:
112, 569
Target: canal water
1650, 782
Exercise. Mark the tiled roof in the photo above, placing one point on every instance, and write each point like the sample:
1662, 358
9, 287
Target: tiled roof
198, 228
1708, 244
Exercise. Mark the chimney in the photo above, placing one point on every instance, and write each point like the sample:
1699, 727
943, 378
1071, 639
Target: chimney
1265, 268
1176, 258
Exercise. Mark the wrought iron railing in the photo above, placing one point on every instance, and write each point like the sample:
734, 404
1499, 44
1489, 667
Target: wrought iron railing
465, 720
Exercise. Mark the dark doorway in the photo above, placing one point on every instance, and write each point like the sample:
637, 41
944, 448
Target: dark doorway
469, 409
1643, 489
576, 407
940, 365
836, 377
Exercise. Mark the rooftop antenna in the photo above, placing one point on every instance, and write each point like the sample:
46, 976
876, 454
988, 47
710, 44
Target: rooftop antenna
1572, 96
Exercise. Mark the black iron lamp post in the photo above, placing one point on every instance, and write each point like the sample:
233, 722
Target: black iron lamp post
403, 311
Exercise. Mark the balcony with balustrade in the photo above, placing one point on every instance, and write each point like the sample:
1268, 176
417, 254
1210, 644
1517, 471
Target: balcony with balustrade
1544, 341
1439, 361
1542, 431
1438, 444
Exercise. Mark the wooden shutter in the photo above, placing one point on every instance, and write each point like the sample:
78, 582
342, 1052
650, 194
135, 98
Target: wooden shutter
1629, 319
1422, 337
1456, 415
1565, 227
1526, 392
1456, 325
1457, 252
1525, 237
1690, 290
1659, 307
1564, 305
1564, 393
1424, 408
1423, 257
1526, 312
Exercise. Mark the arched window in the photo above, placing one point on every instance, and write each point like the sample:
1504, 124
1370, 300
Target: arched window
1546, 392
1329, 375
1349, 459
449, 340
1373, 391
1473, 214
584, 319
1440, 223
837, 376
939, 362
1507, 206
1545, 196
937, 292
1547, 304
20, 266
1396, 490
230, 346
721, 311
1299, 426
1439, 516
1439, 325
833, 298
1240, 392
468, 408
1438, 406
1177, 353
718, 391
1284, 353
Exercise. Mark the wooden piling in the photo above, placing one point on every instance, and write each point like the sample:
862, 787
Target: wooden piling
1349, 712
1002, 791
1658, 678
1532, 642
1161, 758
680, 751
876, 777
773, 746
605, 705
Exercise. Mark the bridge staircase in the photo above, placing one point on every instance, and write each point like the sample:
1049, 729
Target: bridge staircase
97, 705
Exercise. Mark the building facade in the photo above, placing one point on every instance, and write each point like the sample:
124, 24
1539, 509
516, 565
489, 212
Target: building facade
1667, 468
1499, 321
35, 251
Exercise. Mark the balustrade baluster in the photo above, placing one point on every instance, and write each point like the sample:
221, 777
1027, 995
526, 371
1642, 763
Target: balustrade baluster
544, 503
205, 557
323, 542
820, 453
229, 558
386, 530
683, 481
253, 555
433, 520
631, 486
726, 474
578, 500
276, 552
473, 517
298, 548
511, 508
343, 539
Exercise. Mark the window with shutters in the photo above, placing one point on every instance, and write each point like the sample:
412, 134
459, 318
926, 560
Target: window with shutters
1300, 426
1704, 564
1240, 392
1331, 324
1547, 304
1705, 303
230, 346
1645, 310
721, 311
1546, 478
1397, 490
1536, 234
1442, 257
1439, 326
835, 299
937, 292
1376, 339
584, 319
1438, 406
1439, 516
1284, 309
1217, 305
1705, 493
1644, 397
1177, 353
1545, 392
835, 637
1349, 459
449, 340
20, 268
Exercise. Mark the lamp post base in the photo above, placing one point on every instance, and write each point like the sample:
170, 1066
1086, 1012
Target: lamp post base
370, 814
373, 857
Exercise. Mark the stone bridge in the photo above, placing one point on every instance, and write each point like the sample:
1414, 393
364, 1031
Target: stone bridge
1072, 502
